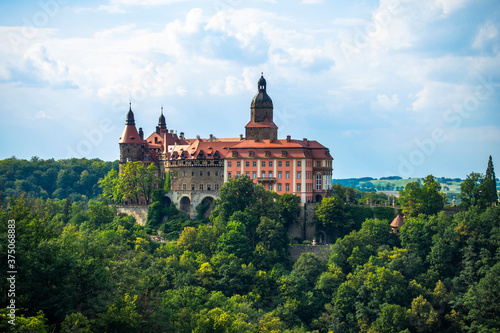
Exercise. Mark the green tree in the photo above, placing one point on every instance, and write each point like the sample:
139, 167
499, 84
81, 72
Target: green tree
470, 191
76, 323
138, 182
426, 199
121, 316
490, 184
482, 302
333, 216
112, 192
289, 208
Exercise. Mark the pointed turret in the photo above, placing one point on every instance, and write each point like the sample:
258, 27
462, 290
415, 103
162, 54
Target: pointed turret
130, 141
162, 124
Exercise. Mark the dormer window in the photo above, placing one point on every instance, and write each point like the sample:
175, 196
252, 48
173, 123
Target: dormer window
251, 154
235, 154
284, 153
268, 153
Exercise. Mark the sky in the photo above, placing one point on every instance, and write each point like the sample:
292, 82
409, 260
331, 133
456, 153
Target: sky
391, 87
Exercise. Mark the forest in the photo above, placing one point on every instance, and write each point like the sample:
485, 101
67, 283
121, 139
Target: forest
81, 267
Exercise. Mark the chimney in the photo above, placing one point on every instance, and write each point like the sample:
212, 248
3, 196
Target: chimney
182, 135
241, 137
172, 131
288, 138
198, 137
141, 133
211, 138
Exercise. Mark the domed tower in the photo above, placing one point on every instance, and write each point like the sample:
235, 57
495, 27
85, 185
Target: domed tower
162, 124
131, 142
261, 125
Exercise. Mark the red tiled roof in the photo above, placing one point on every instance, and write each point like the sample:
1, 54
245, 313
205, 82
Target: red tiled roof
265, 123
130, 135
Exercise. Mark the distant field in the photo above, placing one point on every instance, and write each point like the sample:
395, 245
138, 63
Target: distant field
392, 185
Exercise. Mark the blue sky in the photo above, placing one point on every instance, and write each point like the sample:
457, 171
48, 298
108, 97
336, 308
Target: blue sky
392, 87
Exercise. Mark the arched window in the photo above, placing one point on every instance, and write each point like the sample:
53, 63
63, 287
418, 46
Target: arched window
319, 181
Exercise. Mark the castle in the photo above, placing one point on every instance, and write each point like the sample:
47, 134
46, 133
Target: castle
199, 167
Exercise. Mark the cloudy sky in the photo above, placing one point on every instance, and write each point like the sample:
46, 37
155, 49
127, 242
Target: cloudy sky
392, 87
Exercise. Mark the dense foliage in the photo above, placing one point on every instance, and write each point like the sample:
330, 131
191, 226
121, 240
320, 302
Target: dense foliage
84, 268
75, 179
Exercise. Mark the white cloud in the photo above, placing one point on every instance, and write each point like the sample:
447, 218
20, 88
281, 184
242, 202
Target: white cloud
486, 33
384, 102
42, 115
144, 2
312, 2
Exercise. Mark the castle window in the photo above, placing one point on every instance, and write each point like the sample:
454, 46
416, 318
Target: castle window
229, 164
318, 164
270, 174
287, 175
201, 187
263, 164
201, 173
235, 153
280, 164
184, 173
208, 173
279, 175
238, 164
263, 174
254, 164
299, 175
287, 163
247, 164
192, 187
209, 187
238, 174
229, 175
298, 187
254, 175
184, 187
216, 173
216, 187
192, 173
270, 187
270, 163
279, 187
247, 174
268, 153
251, 154
287, 187
128, 150
299, 163
319, 181
283, 153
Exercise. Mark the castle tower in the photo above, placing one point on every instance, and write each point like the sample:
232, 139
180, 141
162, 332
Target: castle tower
261, 125
130, 141
162, 124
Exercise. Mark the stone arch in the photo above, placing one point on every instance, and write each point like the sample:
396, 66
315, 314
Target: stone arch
185, 205
318, 198
207, 204
321, 238
166, 201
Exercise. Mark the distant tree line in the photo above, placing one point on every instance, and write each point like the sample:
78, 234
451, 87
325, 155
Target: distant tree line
76, 179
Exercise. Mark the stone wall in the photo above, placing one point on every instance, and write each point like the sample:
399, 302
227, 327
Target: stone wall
303, 228
322, 251
139, 212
